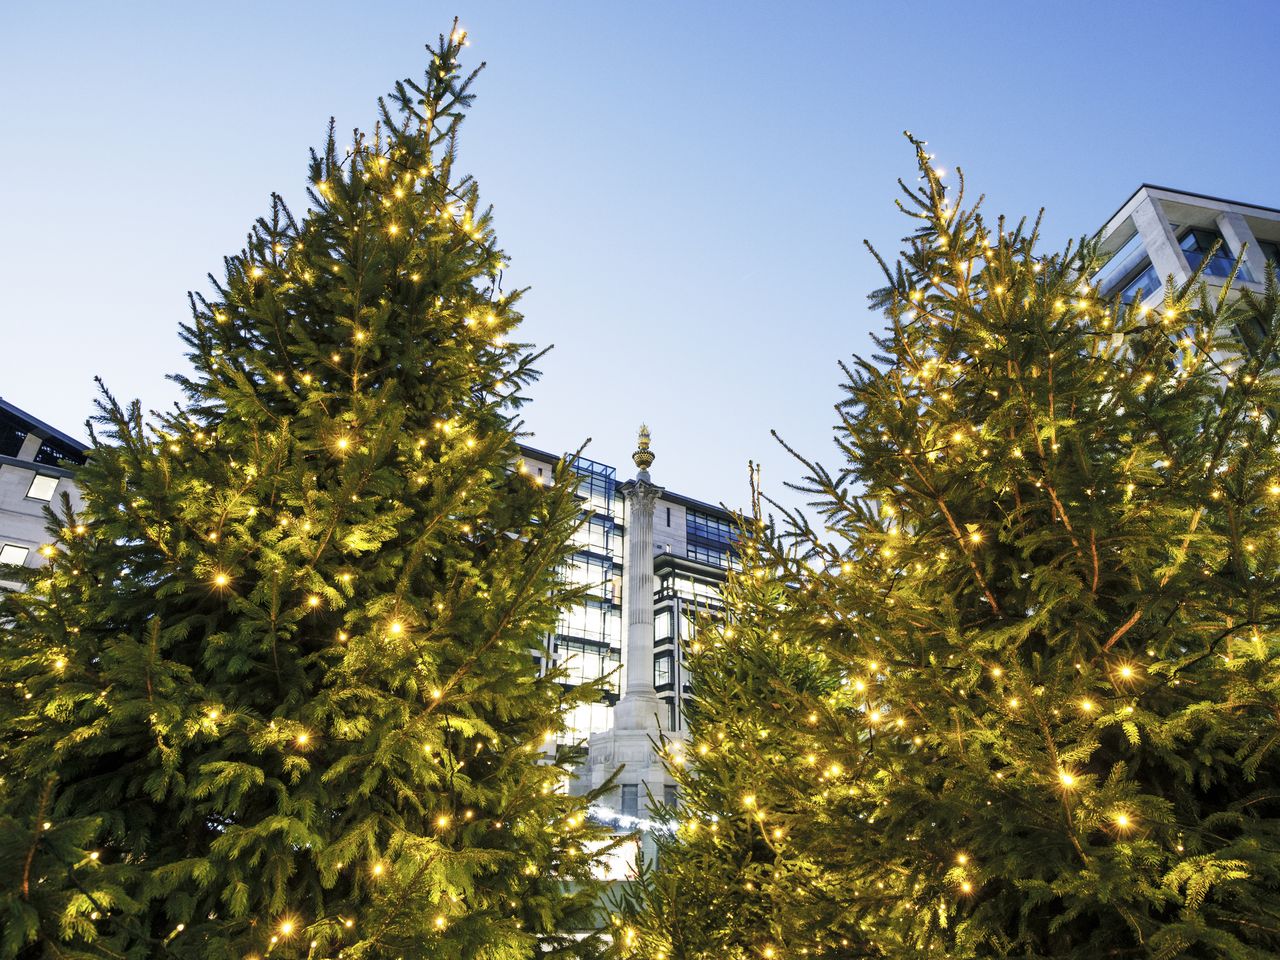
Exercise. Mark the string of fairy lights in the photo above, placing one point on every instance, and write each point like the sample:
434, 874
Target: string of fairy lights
394, 209
930, 385
979, 274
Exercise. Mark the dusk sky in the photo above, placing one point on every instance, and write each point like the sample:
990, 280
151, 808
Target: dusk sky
685, 187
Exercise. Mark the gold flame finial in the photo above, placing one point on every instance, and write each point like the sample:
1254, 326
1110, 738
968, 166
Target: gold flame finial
643, 455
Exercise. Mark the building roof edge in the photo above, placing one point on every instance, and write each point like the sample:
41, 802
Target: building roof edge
43, 430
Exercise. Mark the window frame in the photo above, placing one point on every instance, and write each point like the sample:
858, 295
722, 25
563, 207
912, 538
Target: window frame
629, 797
26, 554
1224, 258
666, 663
36, 479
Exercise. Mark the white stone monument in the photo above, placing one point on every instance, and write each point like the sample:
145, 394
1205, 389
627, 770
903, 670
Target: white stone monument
638, 717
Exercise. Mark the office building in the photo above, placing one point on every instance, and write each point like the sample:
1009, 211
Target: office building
1159, 232
37, 466
653, 562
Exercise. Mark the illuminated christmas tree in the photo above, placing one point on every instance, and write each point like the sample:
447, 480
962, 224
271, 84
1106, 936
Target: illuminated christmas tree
274, 691
1015, 689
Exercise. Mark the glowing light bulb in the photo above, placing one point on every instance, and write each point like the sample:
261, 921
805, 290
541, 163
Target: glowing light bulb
1068, 780
221, 580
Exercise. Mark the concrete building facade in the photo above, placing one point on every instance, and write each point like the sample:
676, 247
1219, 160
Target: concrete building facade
37, 466
1159, 232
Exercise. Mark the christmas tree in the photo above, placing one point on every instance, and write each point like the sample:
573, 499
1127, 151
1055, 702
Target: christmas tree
274, 691
1015, 689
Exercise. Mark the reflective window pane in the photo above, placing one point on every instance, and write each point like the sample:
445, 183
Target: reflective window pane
662, 671
12, 553
1197, 243
662, 625
1144, 284
13, 432
631, 800
42, 487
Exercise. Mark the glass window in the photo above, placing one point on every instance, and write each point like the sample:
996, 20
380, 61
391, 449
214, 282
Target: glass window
12, 434
1122, 263
586, 719
582, 661
1146, 282
662, 670
662, 625
1197, 243
594, 573
671, 715
706, 555
596, 535
1270, 251
689, 626
704, 526
42, 487
12, 553
711, 539
53, 453
631, 800
670, 795
597, 484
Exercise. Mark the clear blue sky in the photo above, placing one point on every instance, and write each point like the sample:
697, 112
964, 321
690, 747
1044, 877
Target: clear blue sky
684, 186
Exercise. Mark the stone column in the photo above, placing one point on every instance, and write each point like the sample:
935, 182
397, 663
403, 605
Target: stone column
1158, 239
1237, 235
639, 705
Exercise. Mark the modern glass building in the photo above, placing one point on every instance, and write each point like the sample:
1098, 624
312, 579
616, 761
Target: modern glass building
1158, 233
693, 547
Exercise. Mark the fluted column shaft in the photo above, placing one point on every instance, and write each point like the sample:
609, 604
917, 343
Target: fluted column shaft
640, 500
639, 704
